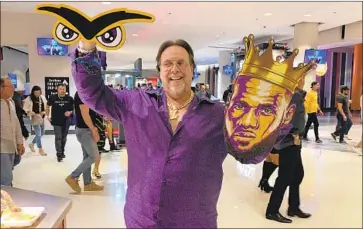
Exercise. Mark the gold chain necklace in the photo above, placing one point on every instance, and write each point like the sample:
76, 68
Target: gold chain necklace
174, 111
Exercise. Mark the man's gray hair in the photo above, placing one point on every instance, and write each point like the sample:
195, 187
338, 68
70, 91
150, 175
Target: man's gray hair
2, 79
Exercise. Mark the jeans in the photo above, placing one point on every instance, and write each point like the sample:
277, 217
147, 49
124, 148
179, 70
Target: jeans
349, 125
7, 164
312, 119
90, 153
291, 174
343, 127
61, 133
38, 130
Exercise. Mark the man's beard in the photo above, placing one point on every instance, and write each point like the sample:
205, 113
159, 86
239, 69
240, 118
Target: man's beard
257, 153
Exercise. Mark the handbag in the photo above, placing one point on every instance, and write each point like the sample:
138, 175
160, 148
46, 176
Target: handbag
37, 120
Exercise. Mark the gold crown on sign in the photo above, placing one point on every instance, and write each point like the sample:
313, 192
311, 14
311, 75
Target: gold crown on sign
266, 68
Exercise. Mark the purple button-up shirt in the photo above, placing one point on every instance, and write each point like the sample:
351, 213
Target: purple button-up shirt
174, 180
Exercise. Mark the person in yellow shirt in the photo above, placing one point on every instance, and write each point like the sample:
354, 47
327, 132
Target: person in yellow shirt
312, 109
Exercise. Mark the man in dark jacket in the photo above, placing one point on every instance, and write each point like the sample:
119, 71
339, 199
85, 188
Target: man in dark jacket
291, 171
227, 93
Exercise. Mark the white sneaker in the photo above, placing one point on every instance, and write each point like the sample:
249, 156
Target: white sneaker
347, 138
31, 146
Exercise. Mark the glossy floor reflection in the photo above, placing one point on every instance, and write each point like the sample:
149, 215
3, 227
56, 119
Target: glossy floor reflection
331, 190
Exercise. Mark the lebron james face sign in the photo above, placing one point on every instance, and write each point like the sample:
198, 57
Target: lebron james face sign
258, 110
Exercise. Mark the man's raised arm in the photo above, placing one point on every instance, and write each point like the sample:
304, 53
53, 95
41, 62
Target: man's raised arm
86, 71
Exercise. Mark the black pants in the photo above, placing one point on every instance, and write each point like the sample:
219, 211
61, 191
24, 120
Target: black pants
312, 119
61, 133
349, 124
291, 173
343, 127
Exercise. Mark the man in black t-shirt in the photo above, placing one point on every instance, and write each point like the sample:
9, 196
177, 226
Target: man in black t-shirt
349, 117
61, 106
87, 135
344, 116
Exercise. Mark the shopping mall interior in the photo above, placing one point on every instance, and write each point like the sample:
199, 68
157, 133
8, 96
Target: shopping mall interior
329, 33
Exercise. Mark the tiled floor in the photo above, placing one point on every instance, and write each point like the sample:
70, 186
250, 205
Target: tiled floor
331, 190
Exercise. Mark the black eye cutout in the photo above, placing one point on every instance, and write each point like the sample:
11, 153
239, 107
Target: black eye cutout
65, 34
111, 38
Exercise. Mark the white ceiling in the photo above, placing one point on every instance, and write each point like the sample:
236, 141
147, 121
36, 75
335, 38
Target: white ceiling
205, 24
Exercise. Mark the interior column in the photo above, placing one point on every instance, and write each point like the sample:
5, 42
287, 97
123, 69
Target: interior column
223, 80
357, 77
305, 37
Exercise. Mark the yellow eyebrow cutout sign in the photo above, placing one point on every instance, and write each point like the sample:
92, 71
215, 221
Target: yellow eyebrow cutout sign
106, 28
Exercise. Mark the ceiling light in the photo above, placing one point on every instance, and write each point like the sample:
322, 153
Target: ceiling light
106, 3
135, 35
267, 14
307, 15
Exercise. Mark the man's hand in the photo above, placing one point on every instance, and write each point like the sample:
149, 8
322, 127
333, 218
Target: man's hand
345, 118
20, 148
67, 114
321, 113
95, 134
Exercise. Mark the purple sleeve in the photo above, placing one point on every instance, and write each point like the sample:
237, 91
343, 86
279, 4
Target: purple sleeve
86, 71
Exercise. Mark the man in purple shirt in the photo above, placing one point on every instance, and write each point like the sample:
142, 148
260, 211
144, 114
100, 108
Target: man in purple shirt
175, 140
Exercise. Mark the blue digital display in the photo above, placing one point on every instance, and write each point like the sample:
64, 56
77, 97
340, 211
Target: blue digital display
228, 69
315, 54
14, 79
50, 47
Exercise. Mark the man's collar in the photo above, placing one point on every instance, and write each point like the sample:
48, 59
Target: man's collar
200, 96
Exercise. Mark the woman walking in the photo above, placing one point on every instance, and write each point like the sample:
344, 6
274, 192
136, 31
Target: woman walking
34, 106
